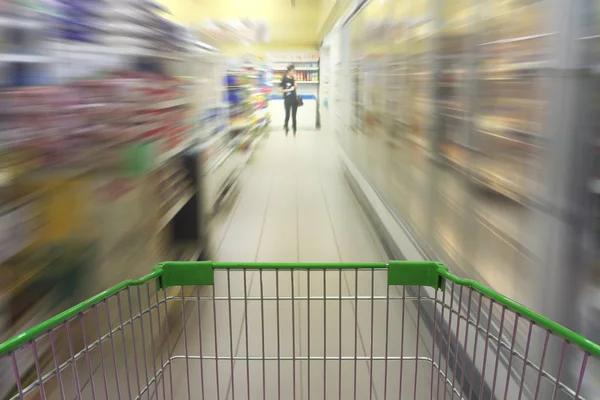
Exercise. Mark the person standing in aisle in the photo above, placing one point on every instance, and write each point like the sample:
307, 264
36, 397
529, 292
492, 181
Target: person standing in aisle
288, 89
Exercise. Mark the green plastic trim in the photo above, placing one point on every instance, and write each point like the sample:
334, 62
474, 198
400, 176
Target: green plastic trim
26, 337
416, 273
298, 266
586, 345
183, 273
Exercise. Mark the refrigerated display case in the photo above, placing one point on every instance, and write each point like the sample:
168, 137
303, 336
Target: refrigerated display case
464, 87
373, 63
453, 93
508, 127
486, 141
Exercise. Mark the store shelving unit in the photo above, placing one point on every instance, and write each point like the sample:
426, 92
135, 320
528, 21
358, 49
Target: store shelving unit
300, 68
453, 94
276, 82
306, 71
248, 97
244, 119
398, 105
96, 128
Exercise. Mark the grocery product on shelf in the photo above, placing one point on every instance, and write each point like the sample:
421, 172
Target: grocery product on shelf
419, 82
508, 125
75, 125
248, 93
453, 128
305, 71
94, 121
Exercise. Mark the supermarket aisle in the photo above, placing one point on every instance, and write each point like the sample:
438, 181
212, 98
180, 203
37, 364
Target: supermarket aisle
270, 334
295, 206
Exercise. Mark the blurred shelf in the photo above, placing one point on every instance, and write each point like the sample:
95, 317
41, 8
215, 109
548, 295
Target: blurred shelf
517, 39
217, 133
172, 212
455, 116
505, 220
400, 120
24, 58
174, 152
91, 50
260, 114
449, 104
512, 67
150, 53
240, 125
277, 82
416, 140
187, 252
455, 162
165, 104
499, 186
174, 179
512, 135
219, 159
297, 69
515, 186
253, 145
19, 22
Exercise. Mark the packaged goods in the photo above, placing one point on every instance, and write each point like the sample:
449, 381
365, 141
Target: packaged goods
62, 125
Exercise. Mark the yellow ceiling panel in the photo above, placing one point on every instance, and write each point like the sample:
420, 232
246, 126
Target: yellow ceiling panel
326, 7
287, 24
261, 50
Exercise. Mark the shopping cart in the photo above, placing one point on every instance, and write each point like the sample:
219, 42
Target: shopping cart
202, 330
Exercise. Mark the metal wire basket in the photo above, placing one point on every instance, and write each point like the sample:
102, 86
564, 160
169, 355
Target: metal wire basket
203, 330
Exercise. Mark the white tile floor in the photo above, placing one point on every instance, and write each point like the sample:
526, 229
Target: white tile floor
295, 206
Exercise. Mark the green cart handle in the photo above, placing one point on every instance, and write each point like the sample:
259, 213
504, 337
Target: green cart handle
409, 273
426, 273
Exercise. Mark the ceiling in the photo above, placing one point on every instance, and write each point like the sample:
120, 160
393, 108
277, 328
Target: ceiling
288, 23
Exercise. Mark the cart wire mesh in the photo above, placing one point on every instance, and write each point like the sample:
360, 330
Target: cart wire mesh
298, 331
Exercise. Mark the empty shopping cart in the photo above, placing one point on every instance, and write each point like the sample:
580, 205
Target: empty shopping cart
203, 330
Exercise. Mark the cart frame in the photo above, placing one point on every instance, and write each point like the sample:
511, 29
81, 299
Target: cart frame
433, 282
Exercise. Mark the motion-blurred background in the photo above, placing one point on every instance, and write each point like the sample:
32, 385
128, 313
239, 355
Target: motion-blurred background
126, 127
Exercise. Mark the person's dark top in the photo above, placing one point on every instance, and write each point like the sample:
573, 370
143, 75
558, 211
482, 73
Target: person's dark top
287, 83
